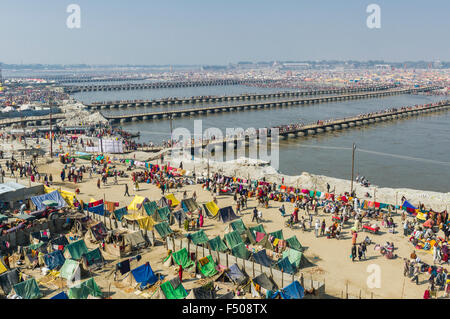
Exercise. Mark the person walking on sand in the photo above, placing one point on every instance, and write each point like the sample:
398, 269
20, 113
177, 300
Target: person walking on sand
416, 274
255, 214
98, 183
322, 228
353, 254
317, 228
126, 191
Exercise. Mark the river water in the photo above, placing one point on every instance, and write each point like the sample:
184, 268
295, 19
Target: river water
411, 153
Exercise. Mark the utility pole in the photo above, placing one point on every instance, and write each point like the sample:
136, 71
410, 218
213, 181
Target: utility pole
353, 168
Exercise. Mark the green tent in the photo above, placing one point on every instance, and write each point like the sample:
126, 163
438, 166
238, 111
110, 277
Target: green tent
248, 238
163, 229
293, 243
217, 244
239, 226
76, 249
173, 293
93, 257
162, 214
150, 207
28, 289
208, 269
258, 228
277, 234
240, 251
69, 269
296, 258
199, 238
35, 246
82, 291
232, 239
181, 258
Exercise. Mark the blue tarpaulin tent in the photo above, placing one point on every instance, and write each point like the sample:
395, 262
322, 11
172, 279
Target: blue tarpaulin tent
286, 266
291, 291
54, 196
261, 258
145, 275
119, 213
227, 214
61, 295
99, 209
408, 207
54, 260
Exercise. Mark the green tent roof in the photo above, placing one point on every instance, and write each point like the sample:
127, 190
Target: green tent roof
239, 226
199, 237
277, 234
163, 229
68, 268
28, 289
82, 291
295, 257
77, 249
150, 207
258, 228
94, 256
217, 244
163, 214
171, 293
293, 242
208, 269
240, 251
181, 258
232, 239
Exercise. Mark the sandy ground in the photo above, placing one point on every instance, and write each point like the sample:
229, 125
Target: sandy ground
330, 256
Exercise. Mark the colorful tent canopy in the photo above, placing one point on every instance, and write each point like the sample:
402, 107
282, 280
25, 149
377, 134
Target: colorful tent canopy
261, 258
137, 202
181, 258
207, 266
296, 258
171, 197
239, 226
211, 209
217, 244
61, 295
8, 279
54, 260
293, 242
227, 214
85, 289
28, 289
163, 229
199, 237
240, 251
76, 249
189, 205
144, 275
93, 257
277, 234
119, 213
292, 291
286, 266
150, 207
232, 239
70, 270
173, 289
55, 196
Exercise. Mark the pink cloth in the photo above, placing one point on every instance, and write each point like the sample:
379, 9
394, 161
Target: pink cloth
259, 236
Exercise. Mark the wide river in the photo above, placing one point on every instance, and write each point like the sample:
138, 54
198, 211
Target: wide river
410, 153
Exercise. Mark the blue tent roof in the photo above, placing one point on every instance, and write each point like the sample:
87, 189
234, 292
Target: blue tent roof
61, 295
261, 258
55, 196
54, 260
145, 275
291, 291
286, 266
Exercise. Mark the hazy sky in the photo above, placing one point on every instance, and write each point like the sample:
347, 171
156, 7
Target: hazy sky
220, 32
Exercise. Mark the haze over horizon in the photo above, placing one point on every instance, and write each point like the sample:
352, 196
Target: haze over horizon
217, 33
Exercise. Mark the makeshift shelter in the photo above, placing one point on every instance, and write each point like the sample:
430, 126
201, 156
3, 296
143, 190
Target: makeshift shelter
93, 259
293, 243
8, 280
150, 207
182, 258
162, 214
233, 274
59, 243
211, 209
286, 266
180, 216
119, 213
232, 239
54, 196
137, 202
54, 260
296, 258
172, 289
239, 226
265, 242
258, 228
292, 291
61, 295
198, 238
261, 258
217, 244
84, 290
163, 202
202, 293
163, 229
408, 207
71, 270
226, 214
241, 251
28, 289
98, 209
262, 285
174, 202
277, 234
145, 276
248, 237
98, 232
207, 266
75, 250
189, 205
134, 241
146, 223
